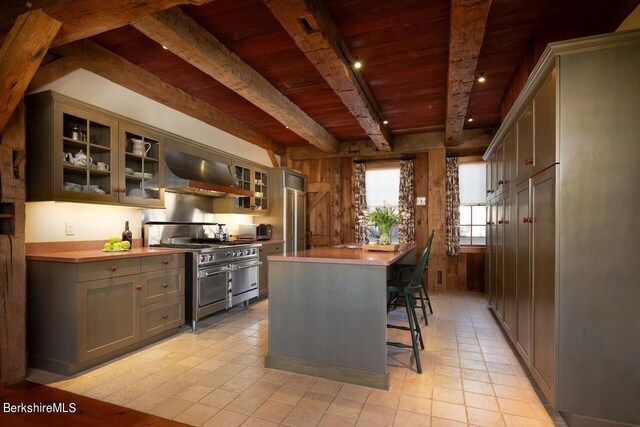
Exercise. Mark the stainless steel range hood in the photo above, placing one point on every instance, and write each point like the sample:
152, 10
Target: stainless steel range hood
186, 173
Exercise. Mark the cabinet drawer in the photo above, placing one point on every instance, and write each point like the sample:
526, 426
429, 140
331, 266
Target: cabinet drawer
108, 269
162, 316
274, 249
162, 285
161, 262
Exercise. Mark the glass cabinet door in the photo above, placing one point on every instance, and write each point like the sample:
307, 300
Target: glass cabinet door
87, 155
261, 191
243, 178
141, 173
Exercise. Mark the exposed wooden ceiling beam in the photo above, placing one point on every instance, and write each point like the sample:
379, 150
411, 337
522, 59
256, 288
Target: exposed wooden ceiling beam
314, 31
52, 71
467, 24
185, 38
107, 64
85, 18
273, 158
473, 141
20, 56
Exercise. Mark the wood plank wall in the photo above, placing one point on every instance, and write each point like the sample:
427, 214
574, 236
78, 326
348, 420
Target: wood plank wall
332, 219
12, 261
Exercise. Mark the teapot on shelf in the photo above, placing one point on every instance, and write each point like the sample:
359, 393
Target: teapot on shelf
140, 148
80, 158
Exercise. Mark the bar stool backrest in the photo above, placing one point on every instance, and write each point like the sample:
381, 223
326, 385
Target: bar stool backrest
416, 276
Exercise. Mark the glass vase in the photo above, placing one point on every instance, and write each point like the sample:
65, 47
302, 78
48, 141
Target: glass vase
385, 234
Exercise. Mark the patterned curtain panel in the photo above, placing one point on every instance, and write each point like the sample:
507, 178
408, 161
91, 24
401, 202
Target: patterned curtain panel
452, 207
360, 202
406, 230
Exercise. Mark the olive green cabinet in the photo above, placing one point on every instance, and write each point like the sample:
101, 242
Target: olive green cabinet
252, 179
80, 153
266, 250
94, 311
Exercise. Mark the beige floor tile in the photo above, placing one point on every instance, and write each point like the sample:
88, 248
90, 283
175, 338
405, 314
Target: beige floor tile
441, 422
411, 419
447, 382
514, 393
287, 394
103, 390
315, 401
237, 384
497, 358
231, 369
124, 395
227, 356
362, 423
477, 387
449, 411
261, 389
377, 414
482, 417
517, 407
503, 379
147, 401
276, 377
345, 407
448, 395
219, 398
225, 419
303, 417
258, 422
415, 404
482, 401
273, 411
516, 421
191, 361
450, 371
194, 392
473, 364
196, 414
424, 390
502, 368
384, 398
476, 375
328, 387
171, 408
211, 365
302, 382
172, 387
332, 420
468, 355
247, 359
193, 375
253, 372
246, 405
214, 379
354, 392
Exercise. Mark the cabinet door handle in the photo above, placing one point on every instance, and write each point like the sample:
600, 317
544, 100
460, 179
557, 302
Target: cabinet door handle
500, 182
138, 286
528, 161
164, 316
501, 222
525, 220
164, 285
113, 268
165, 262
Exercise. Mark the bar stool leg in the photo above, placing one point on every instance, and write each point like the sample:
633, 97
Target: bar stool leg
411, 315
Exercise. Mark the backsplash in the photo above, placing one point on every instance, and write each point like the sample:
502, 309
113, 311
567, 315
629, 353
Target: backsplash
48, 221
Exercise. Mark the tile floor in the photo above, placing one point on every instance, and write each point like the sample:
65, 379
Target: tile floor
216, 377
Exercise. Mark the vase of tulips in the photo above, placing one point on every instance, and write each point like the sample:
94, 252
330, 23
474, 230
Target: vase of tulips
384, 217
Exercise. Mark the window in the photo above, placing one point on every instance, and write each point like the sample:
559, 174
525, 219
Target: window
383, 185
473, 210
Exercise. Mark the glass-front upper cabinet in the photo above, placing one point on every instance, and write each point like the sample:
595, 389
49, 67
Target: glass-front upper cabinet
141, 157
251, 179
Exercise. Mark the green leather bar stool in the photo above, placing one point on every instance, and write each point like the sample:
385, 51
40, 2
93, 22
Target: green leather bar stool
408, 290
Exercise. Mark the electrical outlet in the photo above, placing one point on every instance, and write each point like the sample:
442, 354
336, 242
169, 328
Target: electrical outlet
70, 229
421, 201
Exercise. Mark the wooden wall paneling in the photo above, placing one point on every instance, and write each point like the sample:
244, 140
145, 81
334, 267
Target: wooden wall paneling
475, 272
422, 229
436, 218
12, 259
20, 56
335, 179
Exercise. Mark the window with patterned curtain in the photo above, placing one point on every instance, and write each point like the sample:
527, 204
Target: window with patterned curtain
452, 208
360, 202
406, 202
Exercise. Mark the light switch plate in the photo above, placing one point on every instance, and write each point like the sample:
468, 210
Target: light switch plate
70, 229
421, 201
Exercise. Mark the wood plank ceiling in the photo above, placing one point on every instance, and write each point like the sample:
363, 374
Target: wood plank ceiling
404, 47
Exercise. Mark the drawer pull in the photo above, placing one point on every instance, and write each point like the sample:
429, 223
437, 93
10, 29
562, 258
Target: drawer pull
164, 285
500, 182
164, 316
113, 268
501, 222
528, 161
138, 286
165, 262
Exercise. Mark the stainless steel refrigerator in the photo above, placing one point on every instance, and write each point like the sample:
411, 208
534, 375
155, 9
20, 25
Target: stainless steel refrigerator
288, 208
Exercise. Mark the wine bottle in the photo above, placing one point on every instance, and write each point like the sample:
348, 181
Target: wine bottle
126, 234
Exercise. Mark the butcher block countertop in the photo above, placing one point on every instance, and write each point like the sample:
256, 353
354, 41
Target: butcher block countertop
99, 255
345, 255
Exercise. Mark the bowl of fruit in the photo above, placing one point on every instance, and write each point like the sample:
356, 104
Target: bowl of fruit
115, 244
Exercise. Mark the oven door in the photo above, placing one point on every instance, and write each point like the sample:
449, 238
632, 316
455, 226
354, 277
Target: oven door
244, 280
213, 285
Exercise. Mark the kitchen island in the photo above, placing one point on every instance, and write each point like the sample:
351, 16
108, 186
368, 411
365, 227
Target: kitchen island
327, 313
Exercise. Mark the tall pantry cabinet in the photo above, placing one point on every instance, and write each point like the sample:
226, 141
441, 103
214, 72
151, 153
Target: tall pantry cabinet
563, 199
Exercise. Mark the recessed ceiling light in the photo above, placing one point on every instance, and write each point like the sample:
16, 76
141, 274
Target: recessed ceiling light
482, 78
385, 122
357, 64
164, 47
470, 119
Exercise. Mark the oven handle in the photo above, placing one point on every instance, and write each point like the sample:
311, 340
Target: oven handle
214, 272
236, 267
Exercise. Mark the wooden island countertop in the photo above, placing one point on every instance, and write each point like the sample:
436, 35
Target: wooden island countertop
99, 255
345, 255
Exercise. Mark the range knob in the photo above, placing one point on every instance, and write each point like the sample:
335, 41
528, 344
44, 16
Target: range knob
247, 252
211, 257
235, 254
203, 258
253, 251
227, 254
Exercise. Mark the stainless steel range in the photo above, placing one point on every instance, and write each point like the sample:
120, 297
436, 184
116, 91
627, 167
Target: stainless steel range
219, 274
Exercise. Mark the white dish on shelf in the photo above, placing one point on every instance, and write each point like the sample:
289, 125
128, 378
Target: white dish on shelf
143, 174
128, 170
